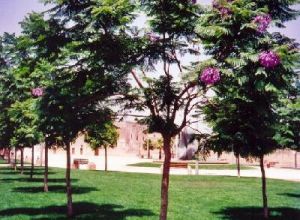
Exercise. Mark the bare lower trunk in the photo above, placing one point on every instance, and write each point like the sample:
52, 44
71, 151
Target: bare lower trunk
148, 149
165, 178
46, 168
15, 165
264, 192
296, 163
238, 166
68, 183
105, 153
159, 155
22, 160
8, 158
32, 162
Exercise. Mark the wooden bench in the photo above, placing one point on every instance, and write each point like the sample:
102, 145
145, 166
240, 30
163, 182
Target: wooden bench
179, 165
78, 162
271, 164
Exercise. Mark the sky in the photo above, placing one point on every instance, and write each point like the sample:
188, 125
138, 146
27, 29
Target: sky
14, 11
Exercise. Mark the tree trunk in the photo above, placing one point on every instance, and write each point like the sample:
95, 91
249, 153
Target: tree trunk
68, 183
165, 178
105, 155
159, 155
8, 158
15, 165
238, 166
22, 160
32, 162
296, 163
46, 168
264, 192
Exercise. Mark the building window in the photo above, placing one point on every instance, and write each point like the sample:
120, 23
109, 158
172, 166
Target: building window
73, 150
97, 152
81, 150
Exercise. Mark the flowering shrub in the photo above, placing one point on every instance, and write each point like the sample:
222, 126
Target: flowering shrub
262, 22
37, 92
210, 75
269, 59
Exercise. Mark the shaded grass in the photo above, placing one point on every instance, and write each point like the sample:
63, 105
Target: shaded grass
254, 213
114, 195
201, 166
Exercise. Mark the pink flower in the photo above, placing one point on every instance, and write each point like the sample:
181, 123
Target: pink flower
37, 92
153, 37
269, 59
210, 75
204, 100
224, 11
262, 22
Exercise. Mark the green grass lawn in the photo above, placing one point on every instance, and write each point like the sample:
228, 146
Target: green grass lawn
119, 196
2, 161
201, 166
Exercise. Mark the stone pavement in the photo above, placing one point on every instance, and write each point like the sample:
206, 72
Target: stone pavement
273, 173
120, 164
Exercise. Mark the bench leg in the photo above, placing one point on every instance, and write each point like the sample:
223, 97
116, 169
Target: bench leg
197, 168
189, 168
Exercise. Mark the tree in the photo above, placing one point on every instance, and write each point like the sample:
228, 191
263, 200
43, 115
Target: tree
151, 144
26, 134
7, 89
162, 90
104, 135
257, 69
19, 105
87, 48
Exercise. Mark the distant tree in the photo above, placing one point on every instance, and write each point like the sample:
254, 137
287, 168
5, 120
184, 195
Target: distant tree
104, 135
26, 134
9, 91
20, 107
152, 144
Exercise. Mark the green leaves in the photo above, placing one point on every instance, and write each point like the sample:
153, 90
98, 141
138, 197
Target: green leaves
212, 31
24, 116
245, 114
102, 135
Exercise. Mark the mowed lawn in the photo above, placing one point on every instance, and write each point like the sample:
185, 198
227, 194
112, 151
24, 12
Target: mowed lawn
117, 196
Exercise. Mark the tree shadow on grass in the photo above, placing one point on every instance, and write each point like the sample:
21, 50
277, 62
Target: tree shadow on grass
294, 195
83, 210
256, 213
36, 180
38, 172
35, 173
55, 189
